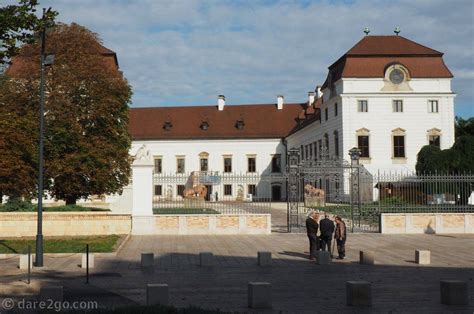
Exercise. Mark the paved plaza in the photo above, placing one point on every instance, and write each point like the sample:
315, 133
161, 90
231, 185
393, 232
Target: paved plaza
298, 285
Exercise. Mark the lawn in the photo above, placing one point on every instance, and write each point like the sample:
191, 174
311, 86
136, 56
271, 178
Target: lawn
61, 244
28, 207
184, 211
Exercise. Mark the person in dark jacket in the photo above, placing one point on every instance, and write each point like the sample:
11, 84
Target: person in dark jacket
326, 226
340, 235
312, 230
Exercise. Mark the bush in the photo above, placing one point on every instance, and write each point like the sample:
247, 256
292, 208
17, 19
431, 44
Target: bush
25, 206
152, 309
18, 206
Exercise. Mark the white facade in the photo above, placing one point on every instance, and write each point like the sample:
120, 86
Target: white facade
380, 123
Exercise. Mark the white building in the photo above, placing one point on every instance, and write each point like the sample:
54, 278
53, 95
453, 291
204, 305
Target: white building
387, 95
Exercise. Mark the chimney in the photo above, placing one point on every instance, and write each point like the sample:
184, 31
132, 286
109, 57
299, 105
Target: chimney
319, 93
280, 101
221, 102
310, 98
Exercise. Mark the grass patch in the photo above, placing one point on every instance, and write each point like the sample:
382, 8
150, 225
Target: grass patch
184, 211
22, 206
61, 244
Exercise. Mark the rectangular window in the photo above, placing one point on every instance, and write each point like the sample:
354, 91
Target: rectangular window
180, 165
320, 147
228, 189
315, 145
362, 106
252, 189
326, 142
251, 164
433, 106
227, 164
336, 144
180, 190
310, 151
326, 113
399, 146
335, 109
363, 145
158, 190
302, 152
158, 165
306, 152
276, 163
434, 140
398, 105
204, 164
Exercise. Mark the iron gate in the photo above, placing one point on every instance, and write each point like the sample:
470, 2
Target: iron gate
331, 185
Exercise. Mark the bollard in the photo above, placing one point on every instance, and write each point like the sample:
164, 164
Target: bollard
366, 258
157, 294
422, 257
91, 260
206, 259
25, 260
358, 293
454, 292
51, 293
323, 257
264, 258
148, 260
259, 295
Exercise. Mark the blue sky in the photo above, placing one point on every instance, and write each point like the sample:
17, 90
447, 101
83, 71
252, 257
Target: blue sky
187, 52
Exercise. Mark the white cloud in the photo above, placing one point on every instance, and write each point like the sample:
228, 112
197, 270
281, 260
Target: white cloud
188, 52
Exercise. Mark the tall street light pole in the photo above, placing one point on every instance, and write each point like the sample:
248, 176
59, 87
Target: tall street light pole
45, 60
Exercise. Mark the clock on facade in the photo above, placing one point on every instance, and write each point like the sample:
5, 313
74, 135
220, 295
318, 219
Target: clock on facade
396, 76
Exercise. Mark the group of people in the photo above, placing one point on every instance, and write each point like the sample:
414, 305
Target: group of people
327, 231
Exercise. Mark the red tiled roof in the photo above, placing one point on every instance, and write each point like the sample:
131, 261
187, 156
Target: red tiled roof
370, 56
260, 121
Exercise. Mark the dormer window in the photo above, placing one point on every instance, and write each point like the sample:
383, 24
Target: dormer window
204, 126
167, 126
240, 124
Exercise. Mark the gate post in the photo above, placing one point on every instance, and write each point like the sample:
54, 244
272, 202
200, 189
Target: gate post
293, 188
355, 153
142, 200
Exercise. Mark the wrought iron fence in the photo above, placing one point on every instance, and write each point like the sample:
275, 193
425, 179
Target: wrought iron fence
210, 192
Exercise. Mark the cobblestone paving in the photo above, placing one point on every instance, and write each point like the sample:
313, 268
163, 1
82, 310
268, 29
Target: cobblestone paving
298, 285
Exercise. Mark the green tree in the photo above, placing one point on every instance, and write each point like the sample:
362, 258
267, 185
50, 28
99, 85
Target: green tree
86, 138
19, 24
464, 127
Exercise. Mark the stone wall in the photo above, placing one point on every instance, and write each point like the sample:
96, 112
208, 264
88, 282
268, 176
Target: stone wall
95, 223
202, 224
428, 223
15, 224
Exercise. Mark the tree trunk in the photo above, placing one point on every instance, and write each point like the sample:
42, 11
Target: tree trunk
70, 200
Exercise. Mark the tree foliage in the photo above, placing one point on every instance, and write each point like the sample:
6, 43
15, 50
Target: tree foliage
457, 159
86, 136
19, 24
464, 126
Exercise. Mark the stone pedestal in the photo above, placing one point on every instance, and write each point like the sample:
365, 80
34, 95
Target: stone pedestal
53, 293
422, 257
323, 257
264, 258
157, 294
358, 293
84, 260
259, 295
148, 260
366, 258
24, 261
142, 192
454, 292
206, 259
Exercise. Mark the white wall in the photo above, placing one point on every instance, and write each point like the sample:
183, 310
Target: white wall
380, 119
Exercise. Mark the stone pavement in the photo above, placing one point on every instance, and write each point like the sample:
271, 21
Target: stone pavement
299, 285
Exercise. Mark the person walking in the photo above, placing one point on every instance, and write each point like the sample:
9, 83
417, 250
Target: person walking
340, 235
312, 227
326, 226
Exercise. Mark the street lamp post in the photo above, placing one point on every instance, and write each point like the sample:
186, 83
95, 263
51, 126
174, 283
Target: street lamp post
354, 153
45, 60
